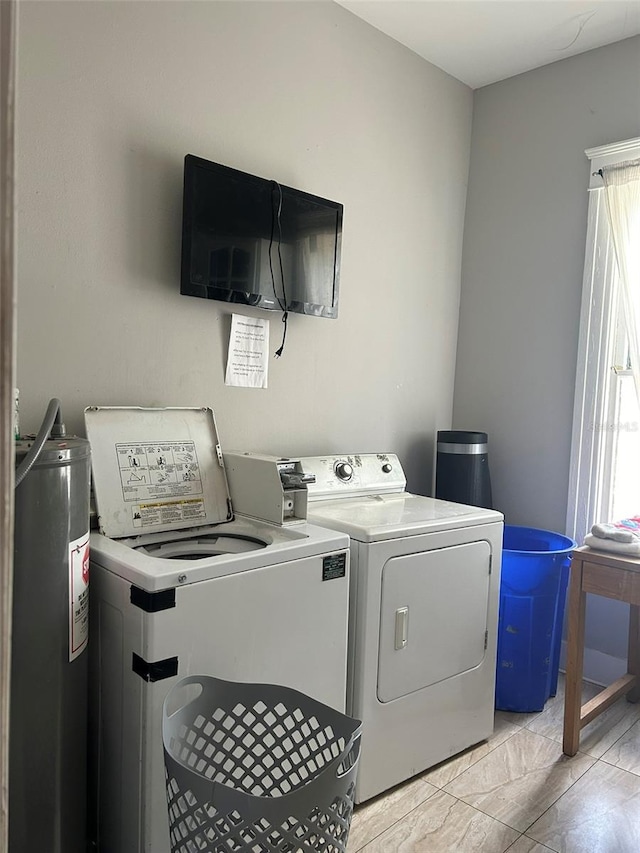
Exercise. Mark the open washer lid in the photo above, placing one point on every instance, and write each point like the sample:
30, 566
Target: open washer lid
156, 469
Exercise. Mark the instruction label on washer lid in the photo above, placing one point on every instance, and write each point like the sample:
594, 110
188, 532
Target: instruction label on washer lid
78, 595
158, 470
168, 512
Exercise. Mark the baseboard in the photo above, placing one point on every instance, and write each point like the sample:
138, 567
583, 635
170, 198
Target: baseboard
597, 667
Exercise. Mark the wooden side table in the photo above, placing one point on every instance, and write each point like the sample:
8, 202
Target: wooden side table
614, 576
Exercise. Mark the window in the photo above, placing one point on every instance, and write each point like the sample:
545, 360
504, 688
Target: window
624, 437
605, 449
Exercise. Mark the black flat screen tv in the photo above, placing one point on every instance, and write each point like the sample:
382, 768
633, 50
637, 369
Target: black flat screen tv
252, 241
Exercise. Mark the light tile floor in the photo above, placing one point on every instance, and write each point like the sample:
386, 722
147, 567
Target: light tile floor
518, 792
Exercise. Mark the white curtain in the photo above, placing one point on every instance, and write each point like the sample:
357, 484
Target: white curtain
622, 193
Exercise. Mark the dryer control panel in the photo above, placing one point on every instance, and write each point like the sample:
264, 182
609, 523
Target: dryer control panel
353, 474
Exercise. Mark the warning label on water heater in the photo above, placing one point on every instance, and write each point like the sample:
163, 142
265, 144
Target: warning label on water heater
78, 595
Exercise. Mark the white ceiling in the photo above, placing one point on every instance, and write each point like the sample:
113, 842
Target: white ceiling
483, 41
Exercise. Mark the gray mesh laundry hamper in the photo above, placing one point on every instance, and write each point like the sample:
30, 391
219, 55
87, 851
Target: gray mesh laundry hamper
257, 768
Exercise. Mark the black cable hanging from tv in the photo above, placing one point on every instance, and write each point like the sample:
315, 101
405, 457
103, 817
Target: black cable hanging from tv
275, 218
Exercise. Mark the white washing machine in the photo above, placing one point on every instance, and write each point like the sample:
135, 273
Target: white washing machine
180, 586
425, 580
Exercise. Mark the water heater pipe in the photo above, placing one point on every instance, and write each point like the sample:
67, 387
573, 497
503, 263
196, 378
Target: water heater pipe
51, 426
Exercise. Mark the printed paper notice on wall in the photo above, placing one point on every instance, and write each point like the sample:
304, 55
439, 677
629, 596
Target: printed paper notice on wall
247, 361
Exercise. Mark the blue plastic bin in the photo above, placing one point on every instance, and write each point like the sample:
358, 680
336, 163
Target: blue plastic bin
533, 590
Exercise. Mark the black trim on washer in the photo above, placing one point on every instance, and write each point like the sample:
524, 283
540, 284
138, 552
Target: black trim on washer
152, 602
156, 670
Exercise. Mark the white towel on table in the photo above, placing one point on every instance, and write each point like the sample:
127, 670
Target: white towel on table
625, 530
600, 544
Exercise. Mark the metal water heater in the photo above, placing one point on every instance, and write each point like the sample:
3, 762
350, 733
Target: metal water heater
48, 723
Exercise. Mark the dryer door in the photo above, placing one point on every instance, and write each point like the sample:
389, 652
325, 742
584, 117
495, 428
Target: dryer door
433, 619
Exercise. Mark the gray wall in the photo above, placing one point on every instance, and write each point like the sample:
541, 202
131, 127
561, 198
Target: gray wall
113, 95
523, 261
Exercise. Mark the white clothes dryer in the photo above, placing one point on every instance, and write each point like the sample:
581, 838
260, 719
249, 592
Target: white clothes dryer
425, 580
180, 586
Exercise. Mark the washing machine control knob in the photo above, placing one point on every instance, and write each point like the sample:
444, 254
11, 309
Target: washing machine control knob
386, 468
344, 471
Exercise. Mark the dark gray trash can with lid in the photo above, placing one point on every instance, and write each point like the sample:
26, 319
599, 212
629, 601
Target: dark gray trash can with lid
462, 468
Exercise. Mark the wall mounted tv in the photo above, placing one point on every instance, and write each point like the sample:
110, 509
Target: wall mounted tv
252, 241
